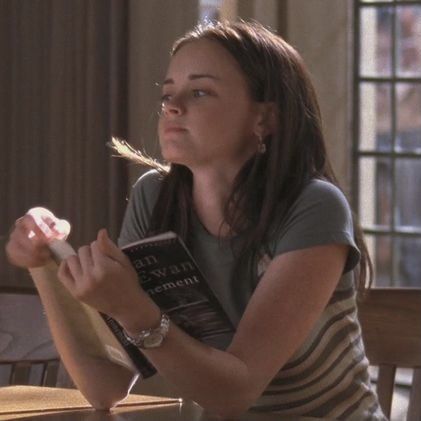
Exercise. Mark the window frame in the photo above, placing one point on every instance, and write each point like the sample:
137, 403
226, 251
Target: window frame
394, 232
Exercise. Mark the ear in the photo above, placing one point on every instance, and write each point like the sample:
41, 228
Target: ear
266, 122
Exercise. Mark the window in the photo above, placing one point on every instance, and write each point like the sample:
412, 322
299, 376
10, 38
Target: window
210, 10
387, 145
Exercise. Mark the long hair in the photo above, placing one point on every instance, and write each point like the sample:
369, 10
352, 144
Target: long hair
268, 184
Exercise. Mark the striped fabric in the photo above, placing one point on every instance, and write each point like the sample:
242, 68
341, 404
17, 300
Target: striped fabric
327, 377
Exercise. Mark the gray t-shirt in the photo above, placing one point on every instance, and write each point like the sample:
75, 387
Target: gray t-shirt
327, 375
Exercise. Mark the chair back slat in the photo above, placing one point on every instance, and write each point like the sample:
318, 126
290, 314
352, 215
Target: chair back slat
50, 373
385, 386
414, 408
19, 372
391, 329
36, 372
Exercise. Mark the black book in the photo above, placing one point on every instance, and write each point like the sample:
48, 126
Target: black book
169, 274
172, 278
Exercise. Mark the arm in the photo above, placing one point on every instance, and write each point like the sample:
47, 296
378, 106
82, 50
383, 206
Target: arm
66, 320
264, 341
101, 381
262, 344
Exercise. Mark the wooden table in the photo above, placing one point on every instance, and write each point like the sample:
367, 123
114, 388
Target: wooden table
55, 404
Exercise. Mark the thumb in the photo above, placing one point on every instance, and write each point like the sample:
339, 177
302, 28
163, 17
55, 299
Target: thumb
109, 248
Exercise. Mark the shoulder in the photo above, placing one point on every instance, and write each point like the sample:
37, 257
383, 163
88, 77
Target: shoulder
147, 187
148, 182
145, 193
320, 191
320, 215
324, 202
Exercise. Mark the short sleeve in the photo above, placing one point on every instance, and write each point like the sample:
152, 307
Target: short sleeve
138, 213
321, 215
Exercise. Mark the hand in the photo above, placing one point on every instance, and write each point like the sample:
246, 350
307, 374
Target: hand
28, 242
28, 245
102, 276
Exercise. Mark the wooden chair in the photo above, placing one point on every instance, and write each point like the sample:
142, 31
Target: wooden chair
27, 352
391, 329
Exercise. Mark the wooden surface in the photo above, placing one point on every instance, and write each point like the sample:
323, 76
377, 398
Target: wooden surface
32, 399
55, 404
391, 328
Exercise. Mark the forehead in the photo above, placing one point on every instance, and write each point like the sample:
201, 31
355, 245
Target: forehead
204, 57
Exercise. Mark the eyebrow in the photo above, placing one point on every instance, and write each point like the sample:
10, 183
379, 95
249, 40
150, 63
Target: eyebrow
193, 77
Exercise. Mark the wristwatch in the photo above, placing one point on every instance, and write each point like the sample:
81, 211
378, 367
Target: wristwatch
151, 338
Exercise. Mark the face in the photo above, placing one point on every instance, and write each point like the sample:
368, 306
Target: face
208, 116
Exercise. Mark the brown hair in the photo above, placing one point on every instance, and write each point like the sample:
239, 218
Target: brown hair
269, 183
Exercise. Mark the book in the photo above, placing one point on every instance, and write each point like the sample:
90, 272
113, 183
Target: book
169, 274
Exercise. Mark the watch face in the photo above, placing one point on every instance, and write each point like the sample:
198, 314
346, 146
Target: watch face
153, 340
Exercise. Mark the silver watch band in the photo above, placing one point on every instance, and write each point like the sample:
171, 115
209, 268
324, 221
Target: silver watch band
150, 338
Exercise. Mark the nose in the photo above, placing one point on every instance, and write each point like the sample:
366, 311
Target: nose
172, 106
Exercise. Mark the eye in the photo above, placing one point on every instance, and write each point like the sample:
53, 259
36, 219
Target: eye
165, 98
198, 93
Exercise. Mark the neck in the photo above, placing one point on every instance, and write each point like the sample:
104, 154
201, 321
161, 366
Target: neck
211, 190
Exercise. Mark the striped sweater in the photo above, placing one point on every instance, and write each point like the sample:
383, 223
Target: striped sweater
327, 377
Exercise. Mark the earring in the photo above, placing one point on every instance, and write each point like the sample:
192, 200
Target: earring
261, 146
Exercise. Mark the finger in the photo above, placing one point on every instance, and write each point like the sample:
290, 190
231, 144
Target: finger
75, 268
20, 237
65, 276
27, 225
22, 251
32, 250
85, 258
108, 248
20, 256
98, 257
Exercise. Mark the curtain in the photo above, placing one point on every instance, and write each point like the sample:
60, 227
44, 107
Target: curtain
63, 93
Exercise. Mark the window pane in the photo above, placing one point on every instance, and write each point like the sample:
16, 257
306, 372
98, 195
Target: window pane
408, 111
408, 262
375, 192
209, 10
375, 116
376, 41
380, 249
408, 193
408, 41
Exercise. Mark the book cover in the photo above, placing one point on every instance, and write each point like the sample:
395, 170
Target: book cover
171, 277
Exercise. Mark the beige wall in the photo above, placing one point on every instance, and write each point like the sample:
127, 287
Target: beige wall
320, 30
153, 27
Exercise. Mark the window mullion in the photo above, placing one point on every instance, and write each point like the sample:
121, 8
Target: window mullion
393, 169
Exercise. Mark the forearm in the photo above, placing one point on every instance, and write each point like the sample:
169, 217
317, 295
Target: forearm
101, 381
217, 380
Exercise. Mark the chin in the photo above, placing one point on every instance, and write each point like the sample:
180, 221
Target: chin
175, 154
174, 158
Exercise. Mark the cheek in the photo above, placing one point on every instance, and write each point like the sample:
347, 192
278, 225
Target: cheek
160, 126
232, 123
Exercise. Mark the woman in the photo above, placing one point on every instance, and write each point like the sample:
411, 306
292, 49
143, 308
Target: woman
251, 191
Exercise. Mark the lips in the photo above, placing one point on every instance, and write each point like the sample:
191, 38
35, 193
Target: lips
174, 129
